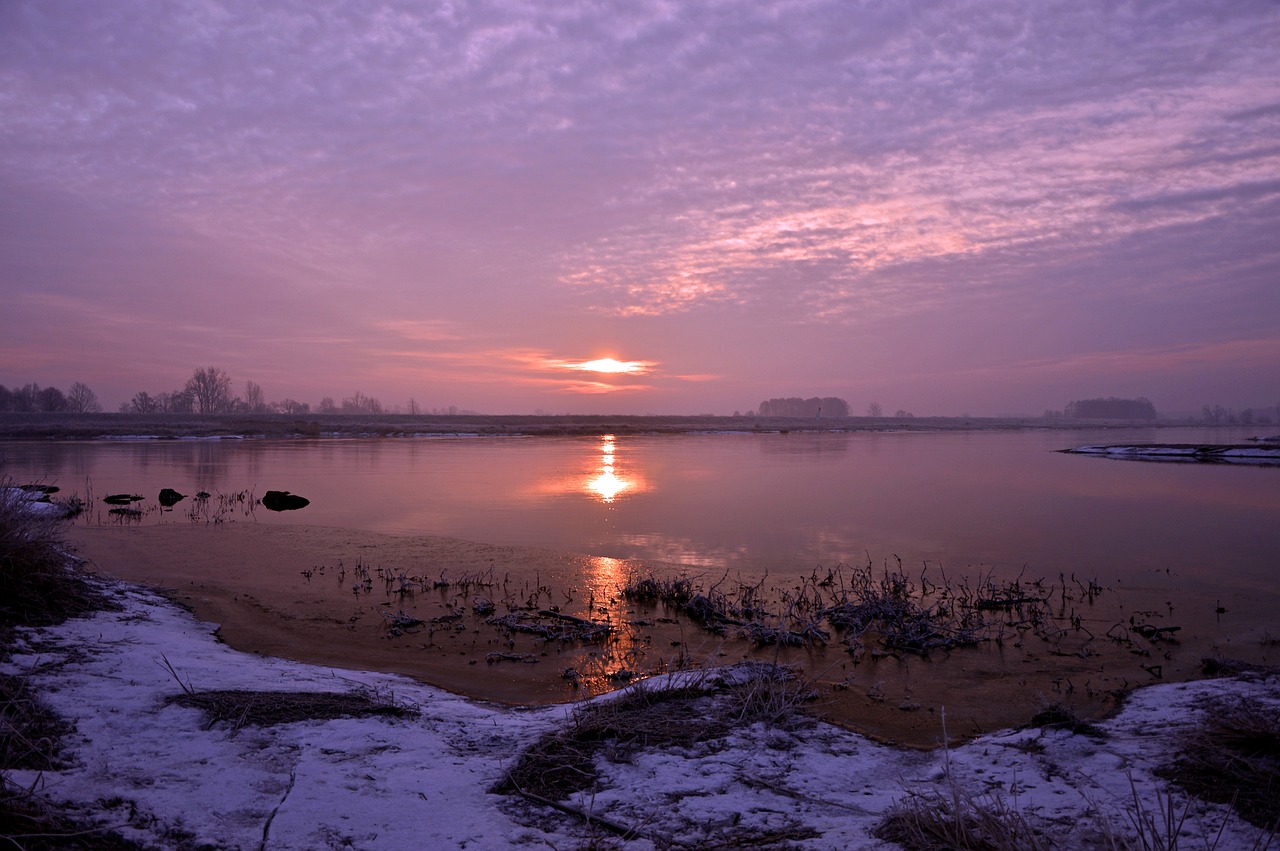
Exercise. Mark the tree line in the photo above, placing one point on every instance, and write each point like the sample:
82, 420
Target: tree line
794, 406
1111, 408
1218, 415
209, 390
32, 398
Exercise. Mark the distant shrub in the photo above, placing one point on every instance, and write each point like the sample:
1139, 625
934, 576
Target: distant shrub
1111, 408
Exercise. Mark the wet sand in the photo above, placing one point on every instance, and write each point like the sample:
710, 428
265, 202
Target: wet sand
328, 596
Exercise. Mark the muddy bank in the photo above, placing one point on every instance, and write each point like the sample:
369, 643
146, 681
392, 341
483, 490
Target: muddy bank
520, 626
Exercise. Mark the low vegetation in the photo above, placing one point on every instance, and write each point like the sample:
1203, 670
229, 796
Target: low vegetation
705, 708
41, 587
243, 707
1233, 757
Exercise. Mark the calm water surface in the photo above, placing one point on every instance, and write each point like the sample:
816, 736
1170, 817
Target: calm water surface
963, 502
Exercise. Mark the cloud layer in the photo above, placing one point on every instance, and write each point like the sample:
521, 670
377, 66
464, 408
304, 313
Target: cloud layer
979, 206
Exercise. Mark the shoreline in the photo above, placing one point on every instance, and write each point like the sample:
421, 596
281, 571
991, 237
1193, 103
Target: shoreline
120, 426
146, 767
330, 596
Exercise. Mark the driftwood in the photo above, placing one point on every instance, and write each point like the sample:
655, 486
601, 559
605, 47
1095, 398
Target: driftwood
527, 658
548, 613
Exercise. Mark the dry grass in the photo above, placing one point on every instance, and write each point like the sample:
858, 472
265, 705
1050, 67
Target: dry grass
240, 708
30, 824
30, 732
1059, 716
954, 819
692, 712
41, 585
1233, 757
563, 762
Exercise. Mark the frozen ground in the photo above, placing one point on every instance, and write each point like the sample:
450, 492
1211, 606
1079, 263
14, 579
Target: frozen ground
159, 773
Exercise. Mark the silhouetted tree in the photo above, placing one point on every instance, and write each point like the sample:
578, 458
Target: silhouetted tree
25, 398
253, 398
51, 400
289, 406
875, 410
327, 406
794, 406
6, 398
141, 403
1111, 408
358, 403
211, 389
82, 400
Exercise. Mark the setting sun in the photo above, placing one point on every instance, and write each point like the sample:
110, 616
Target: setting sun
633, 367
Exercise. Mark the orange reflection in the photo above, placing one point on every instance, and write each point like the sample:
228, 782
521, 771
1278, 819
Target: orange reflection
605, 576
608, 484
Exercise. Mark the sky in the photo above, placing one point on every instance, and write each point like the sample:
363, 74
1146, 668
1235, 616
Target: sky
645, 207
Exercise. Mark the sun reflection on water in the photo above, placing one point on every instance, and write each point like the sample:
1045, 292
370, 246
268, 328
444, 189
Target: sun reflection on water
607, 485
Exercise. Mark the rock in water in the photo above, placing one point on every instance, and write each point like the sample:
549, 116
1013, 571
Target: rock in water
121, 499
170, 497
283, 501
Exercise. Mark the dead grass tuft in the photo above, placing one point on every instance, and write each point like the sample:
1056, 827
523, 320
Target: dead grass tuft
31, 824
1233, 757
563, 762
41, 584
1058, 716
241, 708
30, 733
937, 821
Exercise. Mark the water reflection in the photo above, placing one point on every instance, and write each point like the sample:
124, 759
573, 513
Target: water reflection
608, 484
606, 575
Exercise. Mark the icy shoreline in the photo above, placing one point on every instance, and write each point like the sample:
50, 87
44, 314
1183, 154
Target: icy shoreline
1262, 455
158, 773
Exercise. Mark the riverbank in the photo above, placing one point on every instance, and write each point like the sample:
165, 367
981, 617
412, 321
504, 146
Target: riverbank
525, 626
148, 765
130, 724
104, 426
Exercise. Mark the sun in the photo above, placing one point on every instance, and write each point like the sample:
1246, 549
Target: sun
610, 365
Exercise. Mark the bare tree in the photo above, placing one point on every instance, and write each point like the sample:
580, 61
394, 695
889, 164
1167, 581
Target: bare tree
875, 410
328, 406
83, 400
175, 402
253, 398
211, 389
50, 400
358, 403
142, 403
290, 406
24, 398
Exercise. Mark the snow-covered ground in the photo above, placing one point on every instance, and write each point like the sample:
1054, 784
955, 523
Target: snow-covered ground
159, 773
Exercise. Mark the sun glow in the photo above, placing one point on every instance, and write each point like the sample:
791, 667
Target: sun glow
634, 367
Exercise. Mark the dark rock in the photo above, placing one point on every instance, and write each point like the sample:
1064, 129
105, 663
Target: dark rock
283, 501
170, 497
121, 499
